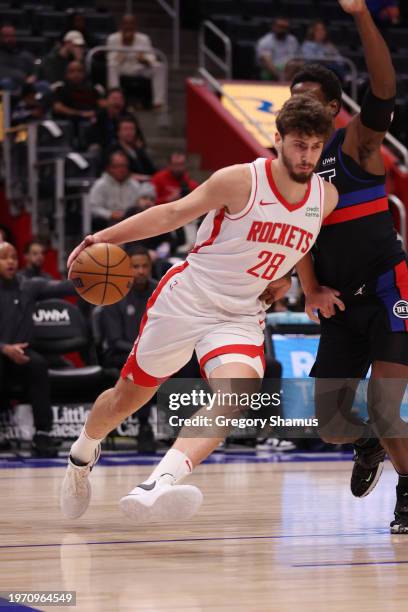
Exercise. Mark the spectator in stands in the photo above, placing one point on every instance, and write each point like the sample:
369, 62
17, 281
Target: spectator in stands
55, 64
173, 182
103, 132
18, 362
139, 63
76, 22
30, 106
16, 66
384, 12
276, 49
130, 143
317, 44
120, 325
34, 257
114, 193
76, 99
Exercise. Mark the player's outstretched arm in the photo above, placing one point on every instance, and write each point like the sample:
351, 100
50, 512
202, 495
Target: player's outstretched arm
365, 132
227, 188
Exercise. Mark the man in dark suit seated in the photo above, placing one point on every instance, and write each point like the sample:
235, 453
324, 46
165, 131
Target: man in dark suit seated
34, 257
18, 361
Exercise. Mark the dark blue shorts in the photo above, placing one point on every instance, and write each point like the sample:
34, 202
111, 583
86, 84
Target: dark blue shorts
374, 327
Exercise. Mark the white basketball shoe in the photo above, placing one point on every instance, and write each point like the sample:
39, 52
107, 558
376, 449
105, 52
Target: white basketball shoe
161, 501
76, 489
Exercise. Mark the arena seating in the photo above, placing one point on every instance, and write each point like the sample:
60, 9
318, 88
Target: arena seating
40, 25
245, 21
60, 328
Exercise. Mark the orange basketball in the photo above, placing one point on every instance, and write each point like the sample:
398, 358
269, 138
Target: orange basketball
102, 274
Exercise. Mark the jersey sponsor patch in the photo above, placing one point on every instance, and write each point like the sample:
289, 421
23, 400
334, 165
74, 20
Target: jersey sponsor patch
312, 211
400, 309
328, 160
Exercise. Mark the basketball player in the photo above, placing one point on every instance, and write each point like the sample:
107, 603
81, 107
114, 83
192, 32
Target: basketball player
358, 252
258, 225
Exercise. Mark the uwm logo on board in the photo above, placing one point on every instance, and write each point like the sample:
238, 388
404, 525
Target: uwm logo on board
51, 316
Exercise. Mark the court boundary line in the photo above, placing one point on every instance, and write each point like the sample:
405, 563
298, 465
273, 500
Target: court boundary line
192, 540
351, 563
132, 459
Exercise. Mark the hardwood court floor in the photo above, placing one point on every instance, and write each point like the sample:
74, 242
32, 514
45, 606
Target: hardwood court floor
269, 537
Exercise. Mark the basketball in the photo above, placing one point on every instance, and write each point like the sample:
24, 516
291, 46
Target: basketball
102, 274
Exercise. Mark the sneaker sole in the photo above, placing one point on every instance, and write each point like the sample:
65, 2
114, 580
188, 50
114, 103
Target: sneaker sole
376, 479
179, 502
399, 530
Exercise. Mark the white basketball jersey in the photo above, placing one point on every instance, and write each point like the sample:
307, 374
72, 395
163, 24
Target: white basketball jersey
237, 256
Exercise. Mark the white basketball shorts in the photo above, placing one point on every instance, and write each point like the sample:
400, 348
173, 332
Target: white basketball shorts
180, 318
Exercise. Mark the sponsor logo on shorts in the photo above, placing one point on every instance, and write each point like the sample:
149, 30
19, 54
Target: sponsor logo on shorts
360, 291
400, 309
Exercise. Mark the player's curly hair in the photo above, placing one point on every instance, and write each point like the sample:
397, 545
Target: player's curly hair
326, 78
304, 115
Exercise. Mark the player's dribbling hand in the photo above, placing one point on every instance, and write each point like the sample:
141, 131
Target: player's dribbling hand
276, 290
324, 299
353, 6
87, 241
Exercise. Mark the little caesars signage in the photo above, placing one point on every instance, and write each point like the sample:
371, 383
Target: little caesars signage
68, 420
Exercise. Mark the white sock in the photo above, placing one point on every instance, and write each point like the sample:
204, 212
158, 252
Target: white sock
175, 464
83, 450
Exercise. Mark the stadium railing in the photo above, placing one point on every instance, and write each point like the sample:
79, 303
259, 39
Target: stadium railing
159, 54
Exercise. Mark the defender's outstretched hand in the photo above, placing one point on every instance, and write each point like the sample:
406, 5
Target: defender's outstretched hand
324, 299
354, 7
87, 241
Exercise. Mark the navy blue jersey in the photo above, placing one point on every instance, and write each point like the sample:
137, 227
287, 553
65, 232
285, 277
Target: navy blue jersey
358, 241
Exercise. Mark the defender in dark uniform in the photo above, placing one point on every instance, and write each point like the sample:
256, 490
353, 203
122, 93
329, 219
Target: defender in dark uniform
359, 254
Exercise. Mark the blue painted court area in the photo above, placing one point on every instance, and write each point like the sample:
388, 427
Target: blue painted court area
10, 607
109, 459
